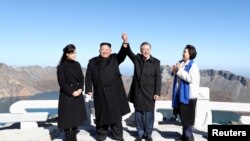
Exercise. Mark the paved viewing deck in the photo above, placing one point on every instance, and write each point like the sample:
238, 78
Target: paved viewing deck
163, 132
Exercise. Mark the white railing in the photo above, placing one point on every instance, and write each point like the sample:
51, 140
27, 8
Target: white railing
203, 109
230, 106
23, 105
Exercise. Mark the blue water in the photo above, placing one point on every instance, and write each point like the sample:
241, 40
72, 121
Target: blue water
5, 103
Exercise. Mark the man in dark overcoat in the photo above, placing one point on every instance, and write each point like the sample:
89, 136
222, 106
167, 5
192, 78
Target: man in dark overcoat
145, 88
103, 79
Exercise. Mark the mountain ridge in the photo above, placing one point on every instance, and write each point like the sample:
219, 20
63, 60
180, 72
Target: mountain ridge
30, 80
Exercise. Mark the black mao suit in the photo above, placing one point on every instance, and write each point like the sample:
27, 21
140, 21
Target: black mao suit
103, 77
71, 110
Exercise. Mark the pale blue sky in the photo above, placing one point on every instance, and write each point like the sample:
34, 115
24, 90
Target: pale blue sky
34, 32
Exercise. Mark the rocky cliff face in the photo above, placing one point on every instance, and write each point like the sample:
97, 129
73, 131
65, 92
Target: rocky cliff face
223, 85
166, 82
226, 86
25, 81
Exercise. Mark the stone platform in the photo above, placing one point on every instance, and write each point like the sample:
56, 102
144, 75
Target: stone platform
163, 132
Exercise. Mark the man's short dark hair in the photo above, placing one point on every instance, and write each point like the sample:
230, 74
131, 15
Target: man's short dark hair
145, 43
192, 51
105, 43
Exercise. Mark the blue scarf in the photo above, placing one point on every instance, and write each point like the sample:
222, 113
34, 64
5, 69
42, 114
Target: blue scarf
184, 89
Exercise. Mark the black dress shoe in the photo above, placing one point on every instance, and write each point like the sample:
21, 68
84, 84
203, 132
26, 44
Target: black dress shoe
149, 139
191, 138
181, 138
138, 139
100, 140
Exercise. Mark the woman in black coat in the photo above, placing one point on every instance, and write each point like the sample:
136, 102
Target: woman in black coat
71, 109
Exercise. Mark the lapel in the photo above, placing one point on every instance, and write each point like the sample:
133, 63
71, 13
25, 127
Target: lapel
141, 63
140, 67
70, 68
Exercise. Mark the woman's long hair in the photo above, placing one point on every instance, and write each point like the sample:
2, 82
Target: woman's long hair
70, 48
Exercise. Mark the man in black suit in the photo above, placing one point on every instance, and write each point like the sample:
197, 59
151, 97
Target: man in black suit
103, 79
145, 88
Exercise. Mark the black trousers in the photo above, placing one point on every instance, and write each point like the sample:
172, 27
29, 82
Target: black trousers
70, 134
187, 113
116, 130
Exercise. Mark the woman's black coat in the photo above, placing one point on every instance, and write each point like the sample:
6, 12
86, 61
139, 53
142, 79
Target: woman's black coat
71, 110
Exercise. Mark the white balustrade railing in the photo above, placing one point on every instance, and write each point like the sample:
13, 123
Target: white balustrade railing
203, 109
23, 105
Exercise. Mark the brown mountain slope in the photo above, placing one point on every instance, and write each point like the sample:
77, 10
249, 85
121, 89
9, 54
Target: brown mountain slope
25, 81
